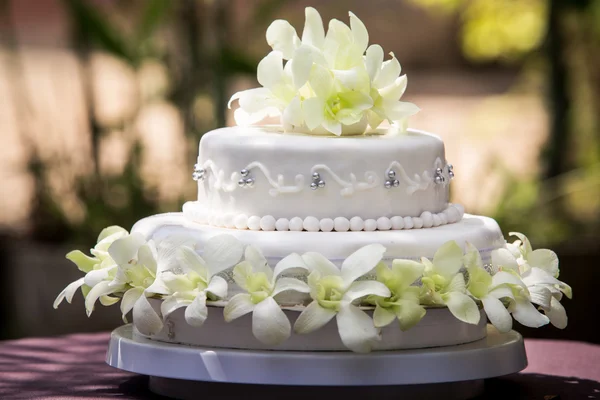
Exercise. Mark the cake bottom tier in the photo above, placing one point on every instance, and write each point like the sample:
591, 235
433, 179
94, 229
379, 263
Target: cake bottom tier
483, 232
438, 328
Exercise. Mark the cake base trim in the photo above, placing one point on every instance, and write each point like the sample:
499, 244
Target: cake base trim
468, 362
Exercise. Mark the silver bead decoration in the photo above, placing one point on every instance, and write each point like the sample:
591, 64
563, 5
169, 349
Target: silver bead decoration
450, 168
317, 182
198, 174
392, 181
247, 180
439, 177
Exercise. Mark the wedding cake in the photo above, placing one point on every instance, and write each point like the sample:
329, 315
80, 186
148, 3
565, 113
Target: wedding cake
332, 231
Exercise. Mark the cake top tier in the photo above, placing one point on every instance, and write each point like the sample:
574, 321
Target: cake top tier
252, 177
331, 83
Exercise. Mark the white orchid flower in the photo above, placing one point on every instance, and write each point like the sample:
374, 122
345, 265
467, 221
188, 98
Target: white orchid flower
262, 284
387, 87
539, 271
335, 290
328, 85
185, 279
97, 268
490, 289
403, 304
444, 284
199, 281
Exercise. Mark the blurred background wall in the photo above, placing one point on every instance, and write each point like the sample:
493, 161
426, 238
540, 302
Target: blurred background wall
103, 102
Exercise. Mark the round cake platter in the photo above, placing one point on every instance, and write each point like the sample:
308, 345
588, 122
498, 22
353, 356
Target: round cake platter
185, 372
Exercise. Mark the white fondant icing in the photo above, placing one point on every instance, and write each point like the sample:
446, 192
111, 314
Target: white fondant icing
282, 224
397, 223
254, 223
417, 223
267, 223
311, 224
408, 223
353, 170
296, 224
241, 221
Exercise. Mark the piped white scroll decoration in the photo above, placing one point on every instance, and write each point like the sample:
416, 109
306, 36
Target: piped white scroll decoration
418, 182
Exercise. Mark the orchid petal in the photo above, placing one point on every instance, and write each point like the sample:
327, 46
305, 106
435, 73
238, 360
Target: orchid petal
527, 314
355, 79
503, 258
359, 32
84, 263
313, 33
360, 262
189, 260
129, 299
317, 262
361, 289
407, 271
472, 257
526, 244
544, 259
217, 287
100, 289
109, 231
390, 70
374, 119
374, 60
147, 256
312, 318
254, 100
172, 303
125, 249
356, 329
294, 260
448, 259
462, 307
506, 278
497, 313
409, 313
270, 70
301, 65
332, 126
258, 261
282, 37
222, 252
399, 110
270, 325
292, 114
237, 306
395, 90
147, 321
382, 317
108, 300
321, 81
313, 112
196, 313
177, 282
540, 295
68, 292
457, 284
285, 284
557, 314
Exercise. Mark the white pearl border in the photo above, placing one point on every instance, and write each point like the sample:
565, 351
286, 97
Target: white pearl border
453, 213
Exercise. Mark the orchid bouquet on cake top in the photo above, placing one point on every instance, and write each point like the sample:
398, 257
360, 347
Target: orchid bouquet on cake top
331, 83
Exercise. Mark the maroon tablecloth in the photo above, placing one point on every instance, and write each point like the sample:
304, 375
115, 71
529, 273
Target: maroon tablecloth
73, 367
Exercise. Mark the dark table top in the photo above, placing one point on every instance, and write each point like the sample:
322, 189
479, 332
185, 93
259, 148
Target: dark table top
73, 367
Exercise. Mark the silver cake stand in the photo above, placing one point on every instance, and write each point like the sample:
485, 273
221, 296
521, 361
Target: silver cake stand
185, 372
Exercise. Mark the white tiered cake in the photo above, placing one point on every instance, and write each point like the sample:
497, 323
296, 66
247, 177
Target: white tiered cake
327, 233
